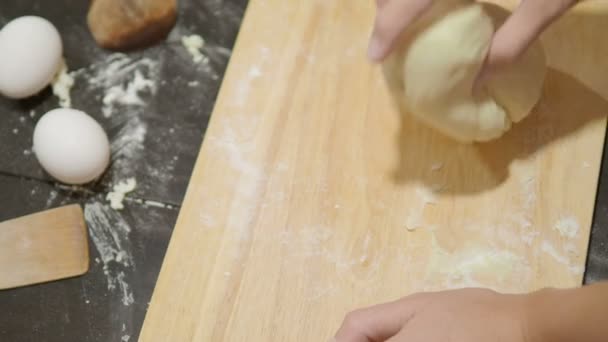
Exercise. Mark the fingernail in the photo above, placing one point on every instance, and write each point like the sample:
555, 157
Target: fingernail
374, 51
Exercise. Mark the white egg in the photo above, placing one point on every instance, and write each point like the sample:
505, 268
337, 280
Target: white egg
71, 146
30, 55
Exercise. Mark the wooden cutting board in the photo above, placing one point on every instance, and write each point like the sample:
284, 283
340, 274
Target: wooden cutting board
313, 196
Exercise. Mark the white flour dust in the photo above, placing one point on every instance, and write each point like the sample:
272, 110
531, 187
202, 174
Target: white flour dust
255, 71
235, 146
475, 267
123, 81
127, 146
127, 94
567, 226
125, 84
552, 251
110, 235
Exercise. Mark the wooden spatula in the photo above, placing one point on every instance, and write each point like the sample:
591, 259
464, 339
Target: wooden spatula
42, 247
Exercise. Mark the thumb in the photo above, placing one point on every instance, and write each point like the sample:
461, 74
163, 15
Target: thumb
379, 322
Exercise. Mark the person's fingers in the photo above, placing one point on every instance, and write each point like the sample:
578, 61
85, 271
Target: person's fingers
405, 335
379, 322
392, 17
521, 29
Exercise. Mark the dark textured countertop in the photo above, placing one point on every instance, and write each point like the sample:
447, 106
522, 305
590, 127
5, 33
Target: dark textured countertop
156, 142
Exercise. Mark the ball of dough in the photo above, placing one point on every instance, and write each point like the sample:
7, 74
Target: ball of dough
31, 54
436, 63
71, 146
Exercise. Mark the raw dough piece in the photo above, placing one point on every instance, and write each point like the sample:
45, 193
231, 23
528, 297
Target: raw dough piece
435, 65
129, 24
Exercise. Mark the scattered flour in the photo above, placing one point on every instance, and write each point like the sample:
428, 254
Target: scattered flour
127, 147
125, 84
255, 72
475, 267
127, 294
62, 85
548, 248
244, 86
529, 192
194, 43
125, 338
110, 235
234, 147
567, 226
127, 94
122, 80
529, 237
117, 195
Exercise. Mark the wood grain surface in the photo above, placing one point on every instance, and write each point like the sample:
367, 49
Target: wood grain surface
43, 247
312, 195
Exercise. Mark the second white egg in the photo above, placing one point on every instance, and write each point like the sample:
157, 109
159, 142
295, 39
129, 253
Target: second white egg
71, 146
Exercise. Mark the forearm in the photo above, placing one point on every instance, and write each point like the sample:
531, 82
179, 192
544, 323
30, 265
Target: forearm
569, 315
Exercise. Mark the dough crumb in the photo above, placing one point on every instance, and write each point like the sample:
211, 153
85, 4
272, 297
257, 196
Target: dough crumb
194, 43
117, 195
62, 85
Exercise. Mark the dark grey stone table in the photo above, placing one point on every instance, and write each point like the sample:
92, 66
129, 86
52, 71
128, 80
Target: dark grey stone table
155, 142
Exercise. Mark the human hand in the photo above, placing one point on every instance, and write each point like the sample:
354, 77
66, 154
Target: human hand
469, 315
510, 41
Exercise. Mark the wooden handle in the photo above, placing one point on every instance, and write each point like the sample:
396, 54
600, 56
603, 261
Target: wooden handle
43, 247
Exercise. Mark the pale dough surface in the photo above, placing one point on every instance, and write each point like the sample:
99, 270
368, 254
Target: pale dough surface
435, 65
